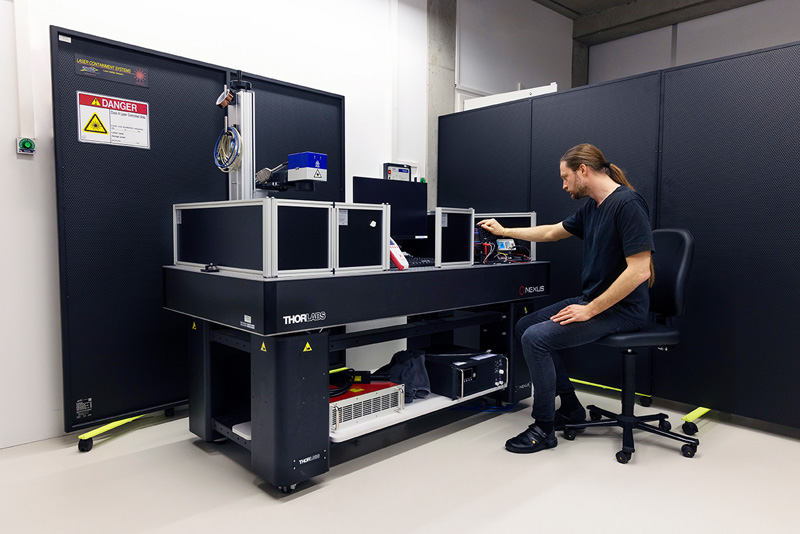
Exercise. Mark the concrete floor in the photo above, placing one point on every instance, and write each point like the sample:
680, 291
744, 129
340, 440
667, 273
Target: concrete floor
158, 477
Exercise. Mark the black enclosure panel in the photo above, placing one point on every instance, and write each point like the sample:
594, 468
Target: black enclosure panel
621, 118
409, 202
214, 235
361, 239
292, 119
484, 158
457, 237
123, 355
731, 132
303, 238
122, 352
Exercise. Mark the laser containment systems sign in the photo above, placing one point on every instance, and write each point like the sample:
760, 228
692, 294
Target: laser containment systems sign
109, 70
113, 121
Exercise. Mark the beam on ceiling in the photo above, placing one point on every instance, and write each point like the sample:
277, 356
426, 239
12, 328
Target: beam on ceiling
640, 16
559, 8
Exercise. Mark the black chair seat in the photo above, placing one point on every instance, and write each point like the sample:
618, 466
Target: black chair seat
651, 335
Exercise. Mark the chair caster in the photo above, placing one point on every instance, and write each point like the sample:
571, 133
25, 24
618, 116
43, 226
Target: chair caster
689, 428
645, 401
689, 450
85, 445
664, 425
569, 434
594, 416
623, 457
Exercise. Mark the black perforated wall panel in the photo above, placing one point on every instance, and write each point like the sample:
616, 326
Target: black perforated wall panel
621, 118
120, 348
484, 158
122, 353
731, 132
291, 119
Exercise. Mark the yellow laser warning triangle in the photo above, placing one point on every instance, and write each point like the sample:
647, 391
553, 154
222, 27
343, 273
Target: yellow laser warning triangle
95, 126
95, 102
194, 326
307, 347
263, 347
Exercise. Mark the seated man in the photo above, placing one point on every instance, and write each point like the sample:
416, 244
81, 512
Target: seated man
617, 242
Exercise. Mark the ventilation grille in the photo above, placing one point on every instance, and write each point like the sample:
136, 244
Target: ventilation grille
352, 411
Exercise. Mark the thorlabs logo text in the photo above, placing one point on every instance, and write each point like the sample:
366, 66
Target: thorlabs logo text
304, 317
530, 289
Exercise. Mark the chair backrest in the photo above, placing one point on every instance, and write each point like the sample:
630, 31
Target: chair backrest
672, 261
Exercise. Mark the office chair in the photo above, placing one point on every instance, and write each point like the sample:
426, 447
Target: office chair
672, 260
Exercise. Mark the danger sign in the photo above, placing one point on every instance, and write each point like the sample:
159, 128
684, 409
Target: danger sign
115, 121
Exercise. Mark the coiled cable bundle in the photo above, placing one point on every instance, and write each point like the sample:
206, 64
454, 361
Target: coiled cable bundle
228, 150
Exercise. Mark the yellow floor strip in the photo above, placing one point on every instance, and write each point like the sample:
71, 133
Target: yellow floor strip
696, 414
601, 386
108, 427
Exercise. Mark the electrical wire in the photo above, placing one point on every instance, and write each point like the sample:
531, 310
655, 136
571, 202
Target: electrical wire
491, 251
228, 149
341, 380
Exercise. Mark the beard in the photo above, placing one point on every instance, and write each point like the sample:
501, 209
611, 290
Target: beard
580, 191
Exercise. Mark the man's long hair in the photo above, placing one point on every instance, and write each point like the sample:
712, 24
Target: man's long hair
590, 155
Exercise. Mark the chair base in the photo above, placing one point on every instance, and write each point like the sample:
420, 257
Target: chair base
628, 423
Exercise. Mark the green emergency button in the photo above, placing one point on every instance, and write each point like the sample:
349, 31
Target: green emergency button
25, 145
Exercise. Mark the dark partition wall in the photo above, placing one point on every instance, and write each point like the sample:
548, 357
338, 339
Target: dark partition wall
698, 142
292, 119
731, 137
122, 354
622, 119
484, 158
519, 145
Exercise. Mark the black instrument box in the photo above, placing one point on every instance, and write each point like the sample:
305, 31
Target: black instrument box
461, 374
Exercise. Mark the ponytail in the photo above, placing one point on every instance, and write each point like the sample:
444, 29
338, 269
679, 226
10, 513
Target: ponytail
616, 174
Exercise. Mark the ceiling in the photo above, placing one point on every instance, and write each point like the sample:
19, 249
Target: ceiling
599, 21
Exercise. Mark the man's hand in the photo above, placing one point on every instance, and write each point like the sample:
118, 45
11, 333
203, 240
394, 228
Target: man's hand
574, 313
492, 226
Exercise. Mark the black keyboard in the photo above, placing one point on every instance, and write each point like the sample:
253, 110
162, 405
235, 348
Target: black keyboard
414, 261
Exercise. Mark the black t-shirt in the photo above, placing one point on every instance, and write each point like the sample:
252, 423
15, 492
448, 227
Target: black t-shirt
618, 228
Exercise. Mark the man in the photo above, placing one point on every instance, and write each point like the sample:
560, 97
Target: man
617, 242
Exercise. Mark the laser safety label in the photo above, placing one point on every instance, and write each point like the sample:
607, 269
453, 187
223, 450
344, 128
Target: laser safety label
114, 121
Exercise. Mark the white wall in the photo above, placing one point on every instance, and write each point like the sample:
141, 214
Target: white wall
761, 25
503, 43
632, 55
342, 47
30, 340
751, 27
411, 72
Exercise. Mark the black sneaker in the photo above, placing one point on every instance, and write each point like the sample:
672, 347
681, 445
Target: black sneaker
578, 415
532, 440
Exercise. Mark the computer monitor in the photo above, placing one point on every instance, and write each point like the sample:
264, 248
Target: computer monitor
409, 202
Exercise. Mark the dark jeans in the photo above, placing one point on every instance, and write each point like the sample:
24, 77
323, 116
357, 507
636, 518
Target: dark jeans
540, 338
